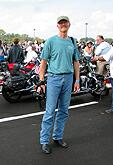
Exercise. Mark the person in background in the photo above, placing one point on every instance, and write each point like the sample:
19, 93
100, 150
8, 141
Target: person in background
102, 48
29, 46
2, 53
88, 50
15, 54
59, 53
81, 46
31, 55
109, 58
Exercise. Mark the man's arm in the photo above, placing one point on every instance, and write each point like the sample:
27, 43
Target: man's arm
77, 70
42, 69
77, 76
98, 58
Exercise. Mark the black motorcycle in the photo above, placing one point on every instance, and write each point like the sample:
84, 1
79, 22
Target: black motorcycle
90, 82
20, 84
3, 72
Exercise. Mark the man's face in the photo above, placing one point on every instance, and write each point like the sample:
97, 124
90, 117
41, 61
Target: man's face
98, 40
63, 25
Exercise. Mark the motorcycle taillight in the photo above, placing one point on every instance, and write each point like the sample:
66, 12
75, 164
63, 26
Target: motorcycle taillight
107, 81
1, 80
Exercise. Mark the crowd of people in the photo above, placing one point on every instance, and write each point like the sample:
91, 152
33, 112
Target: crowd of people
18, 52
62, 57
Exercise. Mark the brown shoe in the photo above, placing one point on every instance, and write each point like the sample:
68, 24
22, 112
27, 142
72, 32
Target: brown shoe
46, 148
61, 143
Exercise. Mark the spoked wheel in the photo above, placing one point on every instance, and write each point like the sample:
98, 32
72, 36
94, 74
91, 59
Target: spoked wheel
9, 95
104, 91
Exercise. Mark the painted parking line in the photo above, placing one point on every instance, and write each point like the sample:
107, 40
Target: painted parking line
41, 113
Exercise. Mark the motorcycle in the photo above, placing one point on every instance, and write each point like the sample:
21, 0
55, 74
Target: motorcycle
90, 82
6, 67
107, 75
3, 70
20, 84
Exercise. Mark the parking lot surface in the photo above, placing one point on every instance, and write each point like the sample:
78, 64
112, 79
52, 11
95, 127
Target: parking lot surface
89, 133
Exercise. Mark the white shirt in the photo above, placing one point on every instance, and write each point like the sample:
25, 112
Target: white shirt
31, 56
109, 58
29, 48
102, 48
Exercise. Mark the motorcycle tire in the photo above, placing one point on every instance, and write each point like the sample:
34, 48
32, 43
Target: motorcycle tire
9, 95
97, 93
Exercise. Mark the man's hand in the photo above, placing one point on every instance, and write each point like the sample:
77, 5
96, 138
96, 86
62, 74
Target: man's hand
95, 58
40, 88
76, 87
43, 88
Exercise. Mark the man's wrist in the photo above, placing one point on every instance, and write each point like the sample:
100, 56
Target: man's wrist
41, 78
77, 81
42, 82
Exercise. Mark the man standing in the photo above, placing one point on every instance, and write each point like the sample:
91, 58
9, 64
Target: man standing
109, 58
102, 48
15, 54
60, 54
2, 53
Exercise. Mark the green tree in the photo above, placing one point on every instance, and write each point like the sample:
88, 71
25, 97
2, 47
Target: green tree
109, 40
84, 39
2, 34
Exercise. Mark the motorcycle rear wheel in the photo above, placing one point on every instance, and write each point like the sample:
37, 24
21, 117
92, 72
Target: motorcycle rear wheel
9, 95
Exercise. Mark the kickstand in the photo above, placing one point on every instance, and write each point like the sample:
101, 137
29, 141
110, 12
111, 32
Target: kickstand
100, 98
42, 101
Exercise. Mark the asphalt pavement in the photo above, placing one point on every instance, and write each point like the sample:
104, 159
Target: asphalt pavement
89, 133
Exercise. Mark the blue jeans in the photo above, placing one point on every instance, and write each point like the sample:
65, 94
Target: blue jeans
59, 88
112, 92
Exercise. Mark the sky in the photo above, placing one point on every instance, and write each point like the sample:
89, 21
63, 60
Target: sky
23, 16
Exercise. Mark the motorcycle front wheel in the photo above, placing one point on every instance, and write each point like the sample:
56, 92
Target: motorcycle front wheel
100, 92
9, 95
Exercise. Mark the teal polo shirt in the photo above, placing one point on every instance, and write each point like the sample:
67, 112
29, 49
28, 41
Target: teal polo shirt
59, 53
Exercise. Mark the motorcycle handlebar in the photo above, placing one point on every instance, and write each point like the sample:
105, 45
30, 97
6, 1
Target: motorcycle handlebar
40, 83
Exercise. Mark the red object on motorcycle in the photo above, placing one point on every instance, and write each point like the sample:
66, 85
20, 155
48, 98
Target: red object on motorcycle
11, 66
107, 81
30, 65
